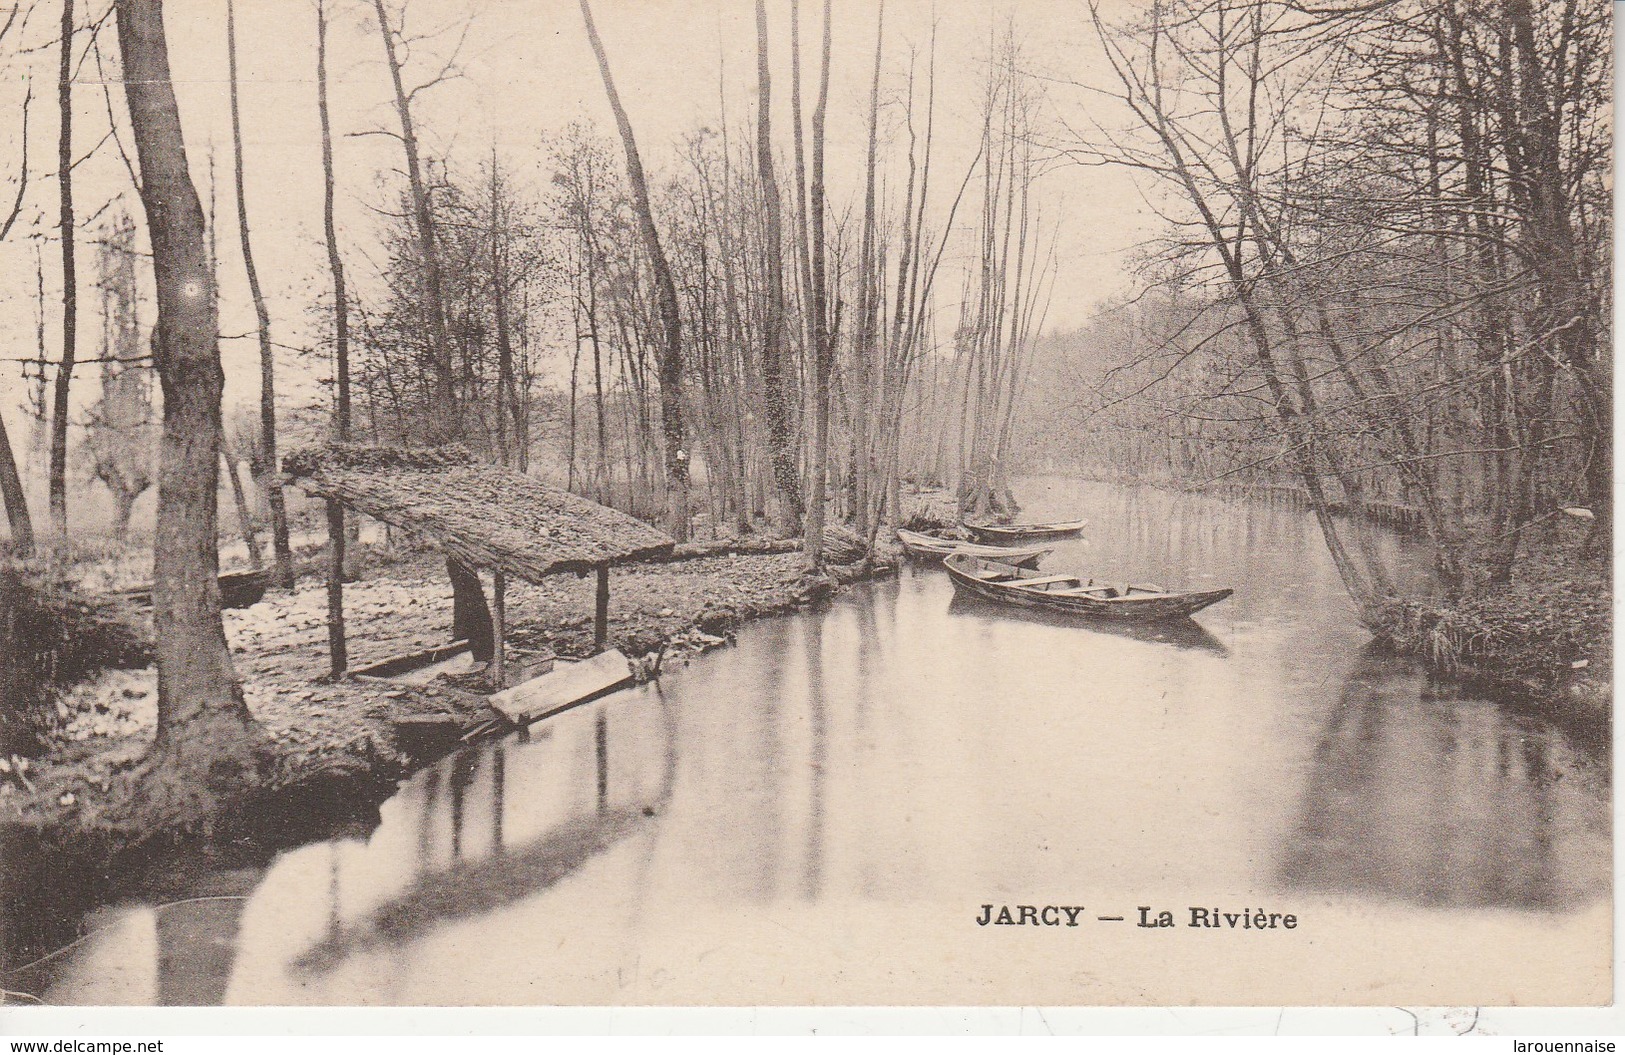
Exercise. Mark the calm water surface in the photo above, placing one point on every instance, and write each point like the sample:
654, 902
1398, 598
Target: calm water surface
828, 804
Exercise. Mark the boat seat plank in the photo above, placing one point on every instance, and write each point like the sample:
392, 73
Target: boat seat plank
1043, 579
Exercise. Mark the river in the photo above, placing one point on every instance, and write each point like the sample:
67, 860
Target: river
819, 814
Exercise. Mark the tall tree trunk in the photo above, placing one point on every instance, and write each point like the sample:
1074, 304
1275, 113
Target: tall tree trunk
207, 745
519, 394
864, 345
16, 502
823, 339
803, 247
58, 485
337, 537
671, 352
507, 403
335, 261
282, 549
245, 520
775, 372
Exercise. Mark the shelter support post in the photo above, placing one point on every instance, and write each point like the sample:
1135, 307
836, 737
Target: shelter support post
600, 626
499, 629
338, 650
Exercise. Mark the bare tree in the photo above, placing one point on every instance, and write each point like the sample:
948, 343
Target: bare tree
207, 744
119, 433
58, 485
270, 476
447, 411
229, 455
822, 327
775, 358
338, 655
1405, 230
995, 326
671, 351
471, 617
11, 484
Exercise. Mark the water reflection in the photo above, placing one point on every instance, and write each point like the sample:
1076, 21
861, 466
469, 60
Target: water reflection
197, 945
484, 879
907, 751
1443, 804
817, 757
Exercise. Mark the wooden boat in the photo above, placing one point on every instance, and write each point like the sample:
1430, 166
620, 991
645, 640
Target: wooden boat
1129, 602
238, 589
1023, 532
1176, 633
929, 547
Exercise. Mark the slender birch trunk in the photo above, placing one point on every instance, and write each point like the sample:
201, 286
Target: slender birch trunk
58, 473
282, 575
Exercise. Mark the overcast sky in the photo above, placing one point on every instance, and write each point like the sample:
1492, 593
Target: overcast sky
527, 70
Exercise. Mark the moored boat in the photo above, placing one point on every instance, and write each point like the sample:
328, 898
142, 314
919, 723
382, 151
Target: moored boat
1028, 588
929, 547
1023, 532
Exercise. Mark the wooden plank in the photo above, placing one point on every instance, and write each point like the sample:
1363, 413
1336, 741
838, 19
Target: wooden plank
422, 734
566, 685
1043, 579
411, 661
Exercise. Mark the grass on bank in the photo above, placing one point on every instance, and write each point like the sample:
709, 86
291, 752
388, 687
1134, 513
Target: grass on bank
1553, 621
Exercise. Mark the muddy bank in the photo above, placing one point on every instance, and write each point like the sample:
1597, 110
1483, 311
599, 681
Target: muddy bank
1544, 641
343, 731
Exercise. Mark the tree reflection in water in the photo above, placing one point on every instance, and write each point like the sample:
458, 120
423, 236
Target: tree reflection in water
817, 758
471, 883
197, 946
1442, 803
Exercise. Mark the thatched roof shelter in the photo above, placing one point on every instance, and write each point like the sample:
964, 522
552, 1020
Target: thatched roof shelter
484, 515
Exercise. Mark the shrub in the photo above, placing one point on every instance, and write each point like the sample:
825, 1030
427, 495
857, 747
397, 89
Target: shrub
52, 635
1518, 632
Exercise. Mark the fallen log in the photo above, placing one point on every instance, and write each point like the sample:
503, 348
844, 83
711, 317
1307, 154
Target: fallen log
727, 547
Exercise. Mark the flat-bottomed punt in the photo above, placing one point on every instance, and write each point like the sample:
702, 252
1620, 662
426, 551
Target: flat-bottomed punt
1127, 602
931, 548
1023, 532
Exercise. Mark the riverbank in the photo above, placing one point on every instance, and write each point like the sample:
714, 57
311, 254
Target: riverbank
343, 733
1546, 639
